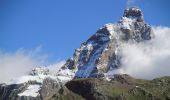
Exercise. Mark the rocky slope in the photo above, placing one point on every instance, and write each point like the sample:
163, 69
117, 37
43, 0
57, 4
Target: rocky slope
122, 87
39, 84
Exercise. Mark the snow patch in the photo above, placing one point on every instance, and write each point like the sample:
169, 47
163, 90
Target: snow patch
32, 91
66, 72
86, 70
26, 78
110, 28
126, 22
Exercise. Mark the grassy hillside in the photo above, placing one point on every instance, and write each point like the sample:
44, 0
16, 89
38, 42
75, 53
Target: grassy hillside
122, 87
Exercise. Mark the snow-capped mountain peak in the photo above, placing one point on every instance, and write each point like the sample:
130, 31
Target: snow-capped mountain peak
99, 54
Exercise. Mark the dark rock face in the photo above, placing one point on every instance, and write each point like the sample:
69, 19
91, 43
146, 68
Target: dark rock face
133, 25
137, 31
10, 92
49, 88
88, 89
134, 12
6, 92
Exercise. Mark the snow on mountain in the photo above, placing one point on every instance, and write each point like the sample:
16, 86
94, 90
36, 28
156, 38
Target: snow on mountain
32, 91
38, 74
34, 80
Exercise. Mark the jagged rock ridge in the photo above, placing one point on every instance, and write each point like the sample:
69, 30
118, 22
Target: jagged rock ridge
99, 53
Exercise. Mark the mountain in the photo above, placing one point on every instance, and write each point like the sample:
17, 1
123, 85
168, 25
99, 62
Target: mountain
100, 53
89, 74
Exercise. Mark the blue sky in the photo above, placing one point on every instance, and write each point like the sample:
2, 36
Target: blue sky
60, 26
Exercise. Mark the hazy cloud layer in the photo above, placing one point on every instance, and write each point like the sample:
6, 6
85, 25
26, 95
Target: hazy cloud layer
150, 59
18, 63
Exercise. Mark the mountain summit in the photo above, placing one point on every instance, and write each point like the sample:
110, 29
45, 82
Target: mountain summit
100, 53
134, 12
97, 57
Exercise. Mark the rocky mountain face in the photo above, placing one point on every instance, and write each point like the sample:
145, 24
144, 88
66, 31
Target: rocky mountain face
100, 53
85, 75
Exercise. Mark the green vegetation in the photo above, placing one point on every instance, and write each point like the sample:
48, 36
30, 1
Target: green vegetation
65, 94
122, 87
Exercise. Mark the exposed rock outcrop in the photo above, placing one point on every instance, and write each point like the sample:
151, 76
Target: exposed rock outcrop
49, 88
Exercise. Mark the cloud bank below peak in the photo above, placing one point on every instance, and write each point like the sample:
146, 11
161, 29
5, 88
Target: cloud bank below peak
18, 63
148, 60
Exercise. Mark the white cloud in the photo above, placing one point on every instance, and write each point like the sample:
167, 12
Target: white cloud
130, 3
53, 68
150, 59
18, 63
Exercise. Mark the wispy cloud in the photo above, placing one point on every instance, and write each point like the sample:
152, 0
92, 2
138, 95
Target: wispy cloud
18, 63
130, 3
150, 59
